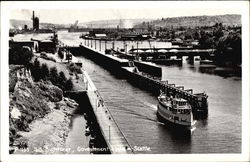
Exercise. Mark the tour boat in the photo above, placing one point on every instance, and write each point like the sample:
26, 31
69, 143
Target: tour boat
177, 112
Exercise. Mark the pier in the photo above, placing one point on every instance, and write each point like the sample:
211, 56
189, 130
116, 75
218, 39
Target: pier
112, 134
198, 101
114, 137
112, 62
142, 79
177, 52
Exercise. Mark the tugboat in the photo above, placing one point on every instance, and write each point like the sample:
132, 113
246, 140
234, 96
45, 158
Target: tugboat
176, 112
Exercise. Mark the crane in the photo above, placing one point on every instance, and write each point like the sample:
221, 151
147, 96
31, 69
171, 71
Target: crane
75, 24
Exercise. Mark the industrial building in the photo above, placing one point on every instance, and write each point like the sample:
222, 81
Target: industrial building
35, 22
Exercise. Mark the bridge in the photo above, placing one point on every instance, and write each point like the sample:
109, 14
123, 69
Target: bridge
179, 52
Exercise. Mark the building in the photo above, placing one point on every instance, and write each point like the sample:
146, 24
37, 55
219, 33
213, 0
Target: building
47, 46
35, 22
33, 45
25, 27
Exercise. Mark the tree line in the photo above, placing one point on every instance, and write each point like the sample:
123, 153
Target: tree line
42, 72
23, 56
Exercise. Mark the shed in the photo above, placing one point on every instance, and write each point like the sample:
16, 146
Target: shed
47, 46
33, 45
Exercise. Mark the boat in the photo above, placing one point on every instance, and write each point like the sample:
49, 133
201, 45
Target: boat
206, 62
176, 112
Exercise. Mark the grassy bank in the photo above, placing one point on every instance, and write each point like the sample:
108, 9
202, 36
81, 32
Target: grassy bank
40, 115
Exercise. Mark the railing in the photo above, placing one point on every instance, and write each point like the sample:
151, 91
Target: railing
100, 97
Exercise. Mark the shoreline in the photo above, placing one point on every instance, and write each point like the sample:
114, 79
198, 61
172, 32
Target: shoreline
46, 134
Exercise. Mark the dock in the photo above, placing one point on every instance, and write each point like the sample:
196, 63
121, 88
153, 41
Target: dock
179, 52
114, 137
149, 68
112, 62
198, 101
143, 79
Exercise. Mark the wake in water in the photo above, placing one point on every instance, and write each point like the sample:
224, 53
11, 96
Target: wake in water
126, 111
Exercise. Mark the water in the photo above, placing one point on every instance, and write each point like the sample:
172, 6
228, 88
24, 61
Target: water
77, 140
135, 110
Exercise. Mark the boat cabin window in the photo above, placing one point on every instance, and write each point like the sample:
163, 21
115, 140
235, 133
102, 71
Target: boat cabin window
181, 103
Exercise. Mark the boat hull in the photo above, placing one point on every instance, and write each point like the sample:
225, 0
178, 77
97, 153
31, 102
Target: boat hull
172, 125
175, 127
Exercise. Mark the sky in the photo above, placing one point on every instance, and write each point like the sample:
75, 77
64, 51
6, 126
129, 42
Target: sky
69, 12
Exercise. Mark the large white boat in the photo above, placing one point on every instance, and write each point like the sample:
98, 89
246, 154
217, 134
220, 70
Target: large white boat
177, 112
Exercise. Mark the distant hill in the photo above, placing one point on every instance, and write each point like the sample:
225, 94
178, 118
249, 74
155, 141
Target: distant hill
123, 23
193, 21
20, 23
127, 23
190, 21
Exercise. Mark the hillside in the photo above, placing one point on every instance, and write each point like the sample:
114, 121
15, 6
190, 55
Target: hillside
127, 23
123, 23
193, 21
39, 114
20, 23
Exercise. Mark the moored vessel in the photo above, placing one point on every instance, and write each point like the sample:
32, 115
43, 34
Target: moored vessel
176, 112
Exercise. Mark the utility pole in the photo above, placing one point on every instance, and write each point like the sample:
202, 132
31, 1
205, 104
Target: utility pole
100, 43
105, 45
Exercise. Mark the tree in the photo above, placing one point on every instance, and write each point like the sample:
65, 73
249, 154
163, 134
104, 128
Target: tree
27, 55
229, 49
68, 84
36, 71
206, 40
44, 71
236, 44
197, 35
61, 53
62, 77
54, 75
218, 33
20, 55
62, 80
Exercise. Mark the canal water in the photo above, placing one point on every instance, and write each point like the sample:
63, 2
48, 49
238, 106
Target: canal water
135, 109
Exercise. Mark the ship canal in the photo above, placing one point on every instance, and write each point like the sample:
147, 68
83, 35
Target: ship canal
135, 109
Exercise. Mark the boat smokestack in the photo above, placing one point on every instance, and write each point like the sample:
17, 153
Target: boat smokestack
33, 19
33, 15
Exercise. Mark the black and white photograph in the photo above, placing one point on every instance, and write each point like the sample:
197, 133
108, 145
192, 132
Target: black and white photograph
105, 80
